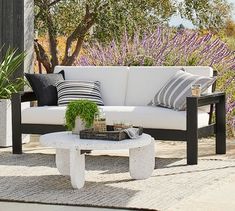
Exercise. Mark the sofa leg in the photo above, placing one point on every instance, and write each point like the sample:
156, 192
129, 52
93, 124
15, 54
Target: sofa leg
192, 132
220, 114
16, 124
17, 143
192, 149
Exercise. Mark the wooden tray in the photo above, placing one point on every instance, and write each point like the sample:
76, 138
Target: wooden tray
110, 134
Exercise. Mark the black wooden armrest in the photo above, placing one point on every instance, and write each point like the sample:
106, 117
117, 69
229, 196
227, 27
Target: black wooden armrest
26, 96
218, 128
16, 100
206, 99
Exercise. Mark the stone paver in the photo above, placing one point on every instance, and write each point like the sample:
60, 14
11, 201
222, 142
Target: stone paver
216, 198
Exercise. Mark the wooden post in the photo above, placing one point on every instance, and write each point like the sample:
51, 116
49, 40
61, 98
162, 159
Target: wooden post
12, 25
17, 31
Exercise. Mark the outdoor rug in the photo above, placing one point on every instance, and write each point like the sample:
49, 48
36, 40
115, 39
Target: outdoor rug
33, 177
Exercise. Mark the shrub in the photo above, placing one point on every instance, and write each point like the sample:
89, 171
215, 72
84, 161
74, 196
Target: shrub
9, 64
168, 47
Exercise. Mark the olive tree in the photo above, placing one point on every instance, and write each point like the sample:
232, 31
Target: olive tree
108, 19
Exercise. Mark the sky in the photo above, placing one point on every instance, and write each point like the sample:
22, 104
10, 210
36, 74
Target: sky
177, 20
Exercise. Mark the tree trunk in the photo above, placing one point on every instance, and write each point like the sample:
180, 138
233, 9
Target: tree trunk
42, 57
52, 36
77, 36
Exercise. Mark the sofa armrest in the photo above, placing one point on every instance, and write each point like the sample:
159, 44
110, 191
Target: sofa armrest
206, 99
16, 100
27, 96
215, 98
218, 128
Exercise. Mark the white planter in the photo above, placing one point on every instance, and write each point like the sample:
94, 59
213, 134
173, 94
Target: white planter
6, 124
79, 125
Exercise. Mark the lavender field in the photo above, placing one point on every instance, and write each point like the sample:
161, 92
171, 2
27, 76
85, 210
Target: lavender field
168, 47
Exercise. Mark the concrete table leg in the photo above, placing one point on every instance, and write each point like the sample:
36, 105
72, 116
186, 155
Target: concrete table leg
62, 161
77, 168
142, 161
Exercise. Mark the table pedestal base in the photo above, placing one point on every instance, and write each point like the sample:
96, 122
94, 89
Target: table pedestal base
77, 168
142, 161
72, 162
62, 161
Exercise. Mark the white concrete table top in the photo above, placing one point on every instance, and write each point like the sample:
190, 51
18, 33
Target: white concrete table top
67, 140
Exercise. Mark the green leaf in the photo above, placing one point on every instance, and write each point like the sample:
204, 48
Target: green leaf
8, 66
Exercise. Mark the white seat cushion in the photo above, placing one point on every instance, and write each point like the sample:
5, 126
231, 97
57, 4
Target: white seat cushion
51, 115
145, 116
151, 117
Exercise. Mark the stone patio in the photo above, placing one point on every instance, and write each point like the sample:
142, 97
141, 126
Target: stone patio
164, 149
216, 197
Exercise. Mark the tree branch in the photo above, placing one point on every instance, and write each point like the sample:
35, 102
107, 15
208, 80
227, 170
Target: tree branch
52, 34
53, 3
39, 3
42, 57
79, 35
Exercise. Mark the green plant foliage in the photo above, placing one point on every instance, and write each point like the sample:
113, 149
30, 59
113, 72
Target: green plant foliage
129, 15
206, 14
85, 109
8, 66
113, 18
117, 16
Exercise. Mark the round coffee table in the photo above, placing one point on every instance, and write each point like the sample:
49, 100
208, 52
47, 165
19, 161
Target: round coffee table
70, 160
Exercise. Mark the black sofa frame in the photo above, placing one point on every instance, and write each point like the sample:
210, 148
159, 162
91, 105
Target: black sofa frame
190, 135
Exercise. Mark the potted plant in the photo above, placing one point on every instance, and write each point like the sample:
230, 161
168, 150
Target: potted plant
80, 114
9, 64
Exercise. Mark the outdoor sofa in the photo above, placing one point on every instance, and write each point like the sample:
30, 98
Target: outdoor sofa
127, 92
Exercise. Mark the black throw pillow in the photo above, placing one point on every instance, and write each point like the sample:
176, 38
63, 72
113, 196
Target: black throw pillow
44, 87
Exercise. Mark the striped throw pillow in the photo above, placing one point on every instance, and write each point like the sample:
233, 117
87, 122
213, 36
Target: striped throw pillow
69, 90
173, 94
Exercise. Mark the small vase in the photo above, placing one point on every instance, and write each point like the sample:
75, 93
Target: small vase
79, 125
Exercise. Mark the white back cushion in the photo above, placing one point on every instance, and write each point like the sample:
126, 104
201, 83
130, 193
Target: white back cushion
145, 82
132, 86
113, 80
199, 70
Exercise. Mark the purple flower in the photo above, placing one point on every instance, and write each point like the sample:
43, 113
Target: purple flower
166, 47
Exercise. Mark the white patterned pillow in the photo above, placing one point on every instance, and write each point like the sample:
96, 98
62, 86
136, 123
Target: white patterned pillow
173, 94
69, 90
